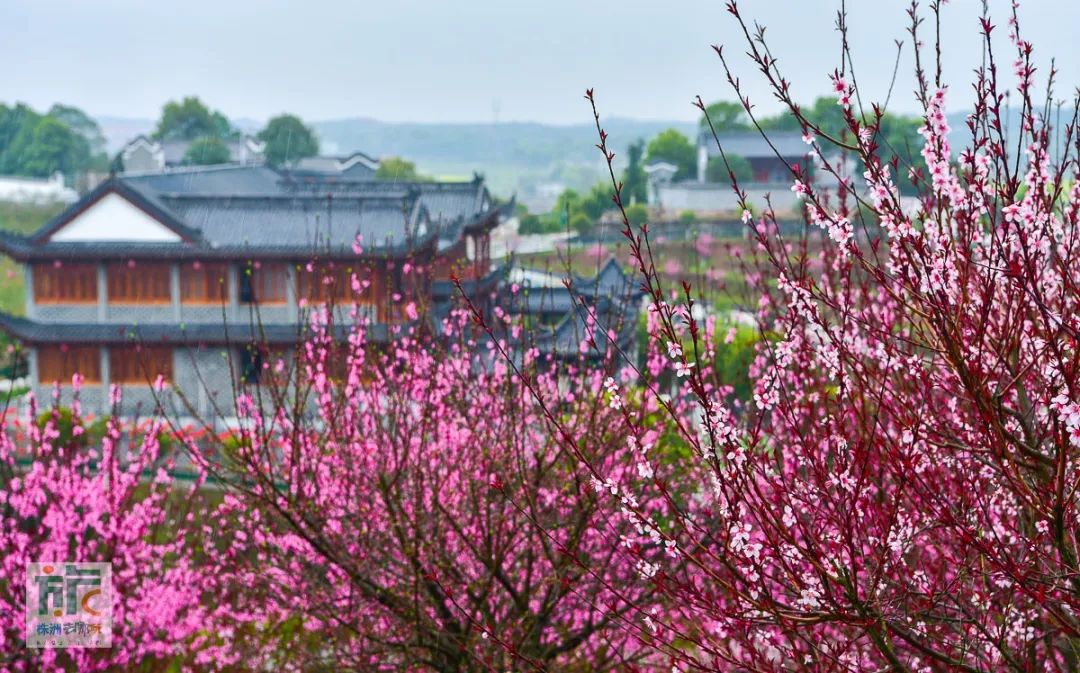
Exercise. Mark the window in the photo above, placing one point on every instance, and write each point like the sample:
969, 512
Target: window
331, 283
251, 364
140, 365
133, 283
204, 283
264, 283
60, 363
65, 283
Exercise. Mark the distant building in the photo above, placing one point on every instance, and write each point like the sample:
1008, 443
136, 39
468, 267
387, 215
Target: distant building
769, 158
543, 196
206, 270
585, 317
144, 155
356, 166
17, 189
769, 161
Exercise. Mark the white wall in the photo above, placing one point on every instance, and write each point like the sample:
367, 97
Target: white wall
114, 218
30, 190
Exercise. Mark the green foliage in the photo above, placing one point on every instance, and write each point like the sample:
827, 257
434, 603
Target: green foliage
36, 145
82, 124
91, 434
288, 140
725, 116
20, 219
597, 201
26, 218
674, 148
581, 223
897, 137
13, 365
397, 169
637, 214
732, 363
716, 171
190, 119
568, 202
688, 217
635, 187
545, 223
207, 151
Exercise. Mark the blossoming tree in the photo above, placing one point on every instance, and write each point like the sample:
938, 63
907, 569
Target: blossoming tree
901, 495
69, 496
416, 510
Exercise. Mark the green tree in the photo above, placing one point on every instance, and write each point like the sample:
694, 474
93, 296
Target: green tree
634, 184
397, 169
288, 140
582, 224
190, 119
716, 171
637, 214
52, 147
733, 361
81, 123
568, 202
687, 217
899, 139
726, 116
674, 148
16, 125
597, 201
207, 151
36, 145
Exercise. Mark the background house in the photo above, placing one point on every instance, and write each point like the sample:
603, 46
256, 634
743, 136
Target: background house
202, 275
143, 154
709, 192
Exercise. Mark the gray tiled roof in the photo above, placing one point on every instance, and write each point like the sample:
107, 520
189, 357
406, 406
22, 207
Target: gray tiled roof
243, 150
316, 222
231, 180
751, 145
356, 165
613, 318
227, 210
444, 200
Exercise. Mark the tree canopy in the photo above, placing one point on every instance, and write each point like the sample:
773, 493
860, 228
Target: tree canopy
189, 119
726, 116
674, 148
716, 171
37, 145
207, 151
634, 184
288, 140
898, 136
396, 168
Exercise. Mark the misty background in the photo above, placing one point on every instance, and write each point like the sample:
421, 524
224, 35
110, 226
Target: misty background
483, 85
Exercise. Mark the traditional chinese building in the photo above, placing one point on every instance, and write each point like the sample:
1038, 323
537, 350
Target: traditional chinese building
769, 178
192, 274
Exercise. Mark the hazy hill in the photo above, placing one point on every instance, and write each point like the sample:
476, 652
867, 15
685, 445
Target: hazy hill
524, 143
530, 159
514, 156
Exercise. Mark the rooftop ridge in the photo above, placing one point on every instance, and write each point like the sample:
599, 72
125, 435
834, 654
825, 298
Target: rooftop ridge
266, 196
187, 170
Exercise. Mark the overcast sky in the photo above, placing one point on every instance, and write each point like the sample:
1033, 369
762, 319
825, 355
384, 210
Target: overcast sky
470, 60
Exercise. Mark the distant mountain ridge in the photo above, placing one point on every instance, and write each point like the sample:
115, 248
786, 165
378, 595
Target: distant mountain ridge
515, 157
526, 143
